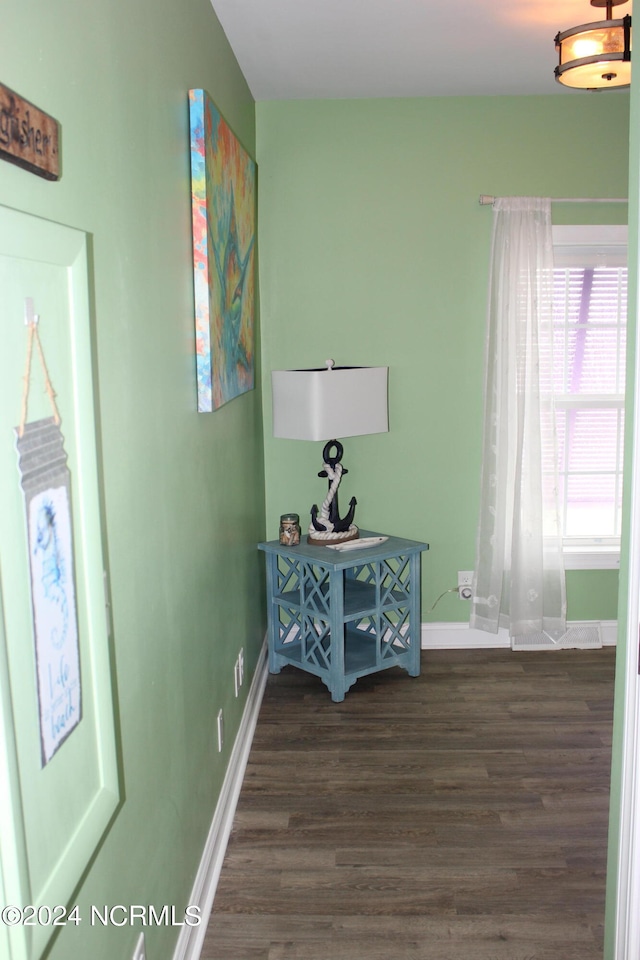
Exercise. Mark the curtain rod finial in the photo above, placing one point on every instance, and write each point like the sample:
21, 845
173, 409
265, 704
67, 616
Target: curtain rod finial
486, 200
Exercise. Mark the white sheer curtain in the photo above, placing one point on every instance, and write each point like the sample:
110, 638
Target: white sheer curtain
519, 573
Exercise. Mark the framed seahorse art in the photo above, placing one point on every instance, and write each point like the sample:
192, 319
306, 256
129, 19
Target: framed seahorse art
46, 486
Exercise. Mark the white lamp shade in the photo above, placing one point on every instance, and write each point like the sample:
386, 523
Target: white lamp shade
327, 404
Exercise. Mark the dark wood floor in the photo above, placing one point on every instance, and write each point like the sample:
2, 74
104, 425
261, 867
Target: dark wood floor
461, 815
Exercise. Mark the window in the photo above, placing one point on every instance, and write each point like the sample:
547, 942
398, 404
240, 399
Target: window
590, 309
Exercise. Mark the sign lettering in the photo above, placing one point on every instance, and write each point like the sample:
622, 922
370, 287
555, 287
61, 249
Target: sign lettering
28, 136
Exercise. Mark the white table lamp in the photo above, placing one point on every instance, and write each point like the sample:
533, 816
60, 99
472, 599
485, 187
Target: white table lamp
322, 404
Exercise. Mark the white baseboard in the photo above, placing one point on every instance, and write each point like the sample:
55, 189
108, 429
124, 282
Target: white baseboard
189, 945
460, 636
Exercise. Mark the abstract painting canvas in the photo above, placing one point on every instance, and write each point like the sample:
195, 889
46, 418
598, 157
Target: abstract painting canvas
223, 183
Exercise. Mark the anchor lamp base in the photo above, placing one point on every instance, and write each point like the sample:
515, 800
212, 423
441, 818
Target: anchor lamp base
327, 526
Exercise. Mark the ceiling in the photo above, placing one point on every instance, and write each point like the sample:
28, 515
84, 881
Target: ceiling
317, 49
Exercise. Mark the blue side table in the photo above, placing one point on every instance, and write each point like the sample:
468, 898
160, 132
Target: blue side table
344, 614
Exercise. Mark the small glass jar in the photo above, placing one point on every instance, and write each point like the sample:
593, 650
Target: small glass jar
290, 529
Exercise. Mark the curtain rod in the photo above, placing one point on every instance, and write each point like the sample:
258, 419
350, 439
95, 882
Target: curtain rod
486, 200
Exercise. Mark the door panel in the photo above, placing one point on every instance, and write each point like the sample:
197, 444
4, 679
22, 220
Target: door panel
56, 813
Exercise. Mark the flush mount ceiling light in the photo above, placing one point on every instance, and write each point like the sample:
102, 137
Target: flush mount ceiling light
597, 55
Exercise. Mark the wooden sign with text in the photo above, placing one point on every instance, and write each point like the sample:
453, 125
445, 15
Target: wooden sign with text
28, 136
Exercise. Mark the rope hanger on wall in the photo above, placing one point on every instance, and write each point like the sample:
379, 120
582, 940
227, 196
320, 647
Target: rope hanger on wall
31, 320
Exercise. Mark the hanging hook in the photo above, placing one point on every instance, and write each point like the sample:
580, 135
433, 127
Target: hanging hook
31, 318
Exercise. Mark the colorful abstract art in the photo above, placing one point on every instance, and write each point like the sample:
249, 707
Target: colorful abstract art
223, 184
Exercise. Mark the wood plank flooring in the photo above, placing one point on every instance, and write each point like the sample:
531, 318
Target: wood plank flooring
460, 815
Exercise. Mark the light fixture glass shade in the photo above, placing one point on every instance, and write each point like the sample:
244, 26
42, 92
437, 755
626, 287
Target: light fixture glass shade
595, 55
329, 403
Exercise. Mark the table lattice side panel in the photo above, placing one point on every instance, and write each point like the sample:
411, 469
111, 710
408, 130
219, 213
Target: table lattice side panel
390, 631
303, 637
315, 590
391, 578
286, 575
288, 624
316, 643
308, 582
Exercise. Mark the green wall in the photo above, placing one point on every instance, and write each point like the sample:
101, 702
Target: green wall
375, 250
183, 493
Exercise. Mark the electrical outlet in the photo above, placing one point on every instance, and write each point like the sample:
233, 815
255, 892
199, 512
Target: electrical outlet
220, 730
238, 671
139, 952
465, 581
